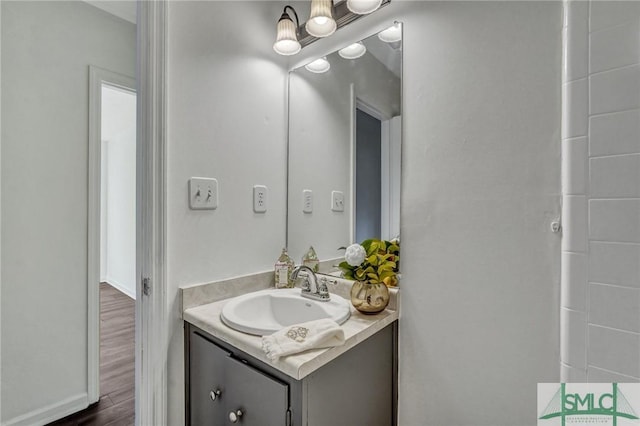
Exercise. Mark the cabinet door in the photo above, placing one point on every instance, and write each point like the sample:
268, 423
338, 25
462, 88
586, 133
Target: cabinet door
207, 363
262, 400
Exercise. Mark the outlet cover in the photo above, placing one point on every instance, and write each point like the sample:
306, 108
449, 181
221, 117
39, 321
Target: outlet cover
307, 201
260, 193
203, 193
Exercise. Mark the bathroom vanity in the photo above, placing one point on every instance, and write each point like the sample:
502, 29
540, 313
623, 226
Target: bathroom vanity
224, 383
230, 380
355, 109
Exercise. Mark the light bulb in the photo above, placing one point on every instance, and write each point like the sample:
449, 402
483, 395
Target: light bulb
287, 47
353, 51
321, 22
318, 66
391, 34
362, 7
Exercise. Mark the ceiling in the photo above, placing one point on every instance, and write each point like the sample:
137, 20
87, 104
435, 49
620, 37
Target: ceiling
125, 9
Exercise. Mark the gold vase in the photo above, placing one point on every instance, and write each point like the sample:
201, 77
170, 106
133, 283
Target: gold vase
369, 298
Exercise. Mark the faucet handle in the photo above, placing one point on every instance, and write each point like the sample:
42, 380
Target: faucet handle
323, 290
305, 285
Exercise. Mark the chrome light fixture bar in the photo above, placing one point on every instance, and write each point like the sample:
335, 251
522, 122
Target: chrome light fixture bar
341, 14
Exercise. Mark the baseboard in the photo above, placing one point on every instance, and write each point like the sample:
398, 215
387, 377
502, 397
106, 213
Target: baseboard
115, 284
51, 413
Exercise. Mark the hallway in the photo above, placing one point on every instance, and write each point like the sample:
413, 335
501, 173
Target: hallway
117, 362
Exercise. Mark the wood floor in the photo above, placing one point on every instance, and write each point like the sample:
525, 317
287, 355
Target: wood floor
117, 341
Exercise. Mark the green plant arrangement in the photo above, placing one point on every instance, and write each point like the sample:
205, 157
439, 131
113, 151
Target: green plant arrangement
374, 261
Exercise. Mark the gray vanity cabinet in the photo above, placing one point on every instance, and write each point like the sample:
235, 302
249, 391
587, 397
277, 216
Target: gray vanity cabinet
223, 387
262, 400
207, 382
358, 388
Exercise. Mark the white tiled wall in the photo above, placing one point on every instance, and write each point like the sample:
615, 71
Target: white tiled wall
600, 318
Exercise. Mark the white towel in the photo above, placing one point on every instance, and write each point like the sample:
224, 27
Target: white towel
323, 333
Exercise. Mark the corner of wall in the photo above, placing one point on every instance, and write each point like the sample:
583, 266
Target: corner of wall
600, 284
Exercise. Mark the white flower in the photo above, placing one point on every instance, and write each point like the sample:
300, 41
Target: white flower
355, 254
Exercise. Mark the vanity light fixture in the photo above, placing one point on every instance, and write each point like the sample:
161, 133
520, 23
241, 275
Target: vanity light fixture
391, 34
321, 22
287, 34
362, 7
318, 66
325, 18
353, 51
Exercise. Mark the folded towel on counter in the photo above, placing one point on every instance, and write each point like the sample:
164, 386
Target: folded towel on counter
323, 333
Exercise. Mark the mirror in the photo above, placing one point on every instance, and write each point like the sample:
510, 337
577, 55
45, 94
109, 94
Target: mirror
345, 148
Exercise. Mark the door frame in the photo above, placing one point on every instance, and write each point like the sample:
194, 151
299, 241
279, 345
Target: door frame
151, 307
97, 78
151, 328
357, 103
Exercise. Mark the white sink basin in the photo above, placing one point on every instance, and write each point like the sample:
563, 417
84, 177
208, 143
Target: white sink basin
267, 311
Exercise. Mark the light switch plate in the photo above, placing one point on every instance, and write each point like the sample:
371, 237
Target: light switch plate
260, 193
203, 193
337, 201
307, 201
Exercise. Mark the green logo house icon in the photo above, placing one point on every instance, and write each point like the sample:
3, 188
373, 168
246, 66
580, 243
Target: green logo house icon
565, 404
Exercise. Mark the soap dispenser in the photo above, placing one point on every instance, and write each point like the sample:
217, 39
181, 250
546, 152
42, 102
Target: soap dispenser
283, 269
310, 259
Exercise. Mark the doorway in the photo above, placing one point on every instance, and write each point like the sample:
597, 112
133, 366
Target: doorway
117, 292
118, 189
367, 176
49, 46
112, 240
377, 165
111, 251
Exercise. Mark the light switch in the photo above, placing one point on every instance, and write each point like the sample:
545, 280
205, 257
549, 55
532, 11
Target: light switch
307, 201
203, 193
337, 201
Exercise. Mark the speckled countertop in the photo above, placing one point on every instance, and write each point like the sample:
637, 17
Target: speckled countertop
207, 317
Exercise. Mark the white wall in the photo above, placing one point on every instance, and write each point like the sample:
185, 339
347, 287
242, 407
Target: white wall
601, 187
226, 117
119, 212
104, 163
0, 214
481, 184
391, 177
47, 48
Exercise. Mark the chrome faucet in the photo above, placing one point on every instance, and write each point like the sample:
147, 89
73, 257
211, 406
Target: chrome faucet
310, 286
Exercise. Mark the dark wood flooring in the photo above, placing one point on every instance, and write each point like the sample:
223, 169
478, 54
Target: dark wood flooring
117, 361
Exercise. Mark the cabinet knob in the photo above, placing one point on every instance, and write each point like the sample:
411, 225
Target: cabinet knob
235, 416
214, 394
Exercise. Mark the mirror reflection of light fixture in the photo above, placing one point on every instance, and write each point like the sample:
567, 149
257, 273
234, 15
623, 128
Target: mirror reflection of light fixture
353, 51
318, 66
321, 22
286, 37
391, 34
362, 7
